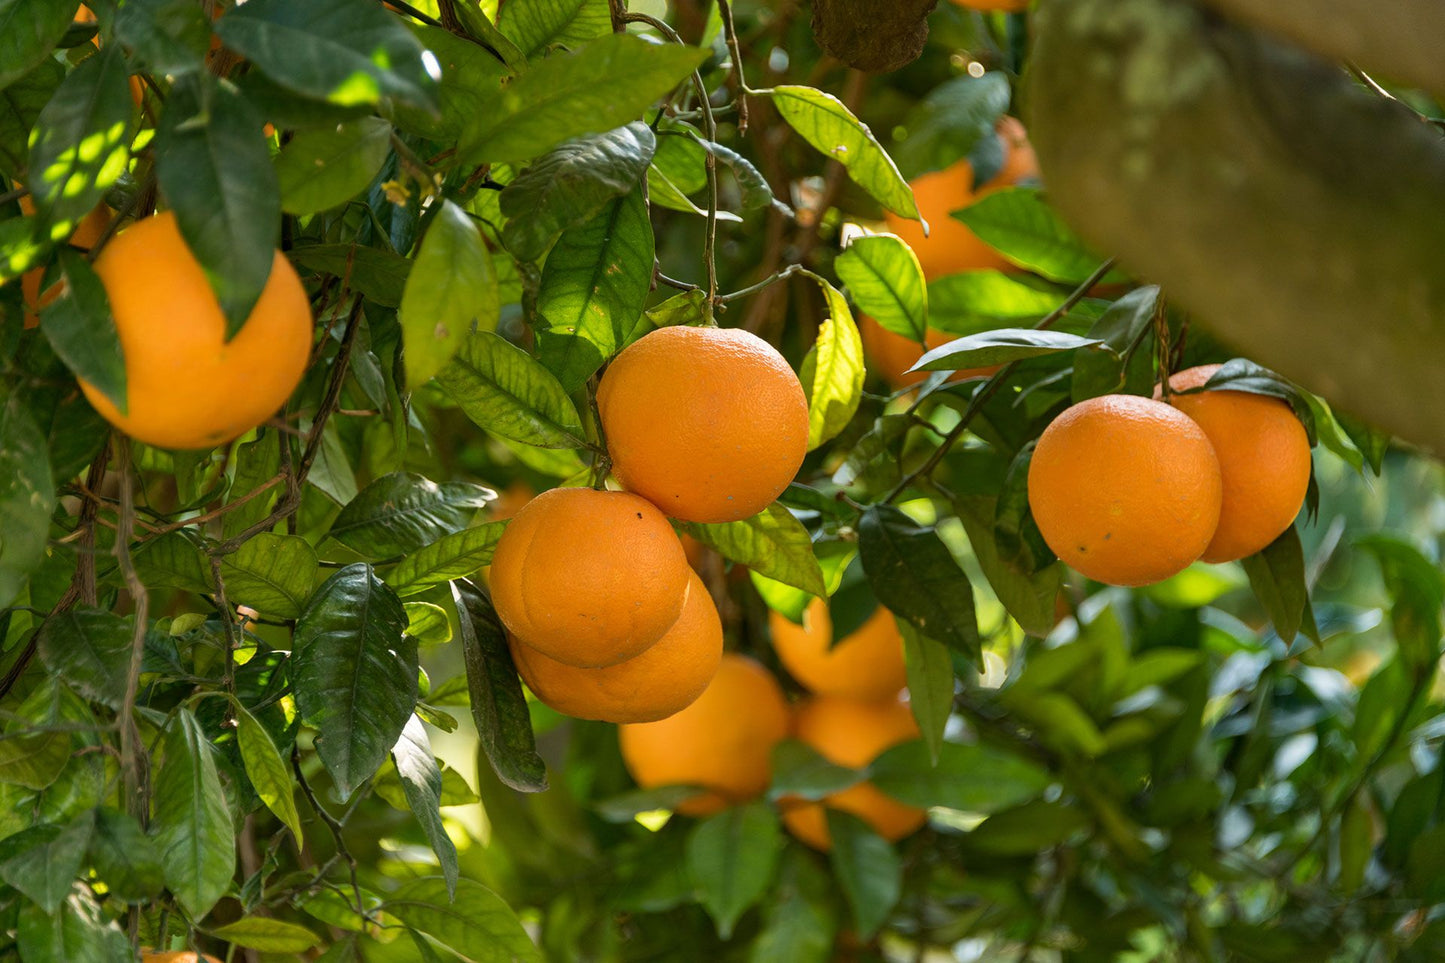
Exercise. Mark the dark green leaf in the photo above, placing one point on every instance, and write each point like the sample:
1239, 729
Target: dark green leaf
29, 31
1028, 829
1241, 374
594, 284
1018, 224
572, 184
999, 347
477, 924
354, 673
1029, 599
1122, 328
403, 512
607, 83
799, 918
20, 104
452, 285
537, 25
867, 868
273, 574
322, 168
973, 301
79, 933
474, 21
1017, 539
916, 578
801, 771
732, 858
772, 543
498, 706
753, 189
169, 37
190, 820
173, 560
1383, 699
379, 275
823, 121
215, 171
1371, 441
471, 80
505, 391
267, 934
124, 857
421, 780
89, 649
1356, 842
80, 329
930, 684
833, 371
1277, 575
886, 282
976, 779
268, 773
944, 127
43, 861
452, 556
1417, 591
345, 51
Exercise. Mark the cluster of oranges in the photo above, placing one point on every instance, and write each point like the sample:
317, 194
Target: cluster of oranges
722, 743
1130, 490
605, 618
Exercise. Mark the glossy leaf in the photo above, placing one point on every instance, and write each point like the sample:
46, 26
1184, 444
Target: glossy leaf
90, 650
542, 23
190, 819
1029, 598
999, 347
973, 301
379, 275
498, 707
79, 933
452, 286
505, 391
476, 924
916, 578
80, 329
124, 857
269, 776
1020, 225
354, 673
971, 778
21, 102
403, 512
29, 31
930, 684
1277, 575
951, 119
267, 934
170, 37
885, 280
867, 869
731, 858
322, 168
1122, 327
42, 862
457, 555
833, 372
428, 623
421, 780
772, 543
273, 574
753, 189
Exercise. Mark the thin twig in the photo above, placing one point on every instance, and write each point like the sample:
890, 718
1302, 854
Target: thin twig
725, 10
132, 755
332, 824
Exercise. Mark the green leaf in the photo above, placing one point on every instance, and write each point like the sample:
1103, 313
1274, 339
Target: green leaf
1241, 374
79, 933
999, 347
1029, 829
607, 83
215, 171
689, 307
452, 285
124, 857
732, 858
344, 51
1371, 442
403, 512
678, 170
267, 934
80, 329
452, 556
930, 684
946, 125
379, 275
421, 780
1417, 590
571, 184
1061, 723
594, 285
476, 924
321, 168
504, 390
753, 188
81, 142
623, 807
20, 104
89, 649
169, 37
173, 560
823, 121
1122, 327
801, 771
29, 31
1277, 576
799, 918
266, 770
973, 301
499, 708
1356, 843
867, 869
273, 574
43, 861
354, 673
190, 819
1028, 598
537, 25
833, 371
1018, 224
917, 579
427, 623
1384, 696
885, 280
772, 543
977, 779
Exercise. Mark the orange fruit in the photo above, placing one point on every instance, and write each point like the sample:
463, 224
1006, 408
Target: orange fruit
722, 743
85, 236
853, 732
588, 578
709, 424
867, 664
951, 246
186, 386
666, 678
1125, 490
1010, 6
1264, 462
176, 956
891, 355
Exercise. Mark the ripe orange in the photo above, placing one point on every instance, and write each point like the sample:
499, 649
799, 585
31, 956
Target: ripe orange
177, 956
1126, 490
666, 678
588, 578
187, 387
865, 665
891, 355
709, 424
951, 246
853, 732
85, 236
1264, 462
723, 742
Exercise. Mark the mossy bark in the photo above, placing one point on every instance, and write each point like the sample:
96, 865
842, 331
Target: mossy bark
872, 35
1297, 216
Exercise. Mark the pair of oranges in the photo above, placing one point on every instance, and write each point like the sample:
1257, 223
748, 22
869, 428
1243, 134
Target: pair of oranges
605, 617
723, 742
1130, 490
